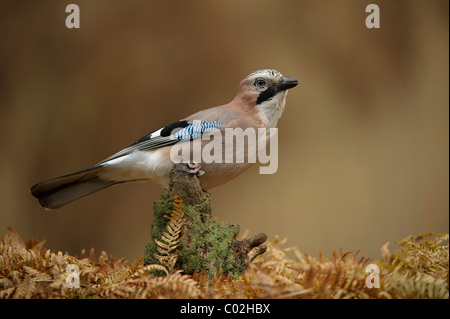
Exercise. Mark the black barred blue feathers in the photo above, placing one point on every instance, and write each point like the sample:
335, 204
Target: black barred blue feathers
196, 130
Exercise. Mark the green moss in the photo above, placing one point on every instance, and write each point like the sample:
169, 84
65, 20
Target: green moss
205, 244
161, 213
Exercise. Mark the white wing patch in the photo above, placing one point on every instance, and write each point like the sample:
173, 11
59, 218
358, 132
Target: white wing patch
156, 133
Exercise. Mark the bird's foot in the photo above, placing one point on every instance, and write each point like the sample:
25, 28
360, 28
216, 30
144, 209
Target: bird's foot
195, 168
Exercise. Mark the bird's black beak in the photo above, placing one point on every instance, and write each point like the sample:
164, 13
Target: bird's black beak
286, 83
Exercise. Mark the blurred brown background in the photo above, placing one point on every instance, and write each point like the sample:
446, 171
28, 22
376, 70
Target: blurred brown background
364, 140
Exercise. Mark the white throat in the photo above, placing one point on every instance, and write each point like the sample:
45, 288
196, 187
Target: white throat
270, 111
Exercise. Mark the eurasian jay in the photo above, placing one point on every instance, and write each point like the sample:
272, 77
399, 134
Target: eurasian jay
258, 104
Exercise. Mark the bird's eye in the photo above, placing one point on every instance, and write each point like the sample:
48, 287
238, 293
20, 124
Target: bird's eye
260, 83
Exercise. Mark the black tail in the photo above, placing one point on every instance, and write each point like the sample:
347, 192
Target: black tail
60, 191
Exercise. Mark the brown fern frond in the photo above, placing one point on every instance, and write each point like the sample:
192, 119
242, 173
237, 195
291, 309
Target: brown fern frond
146, 269
418, 270
170, 239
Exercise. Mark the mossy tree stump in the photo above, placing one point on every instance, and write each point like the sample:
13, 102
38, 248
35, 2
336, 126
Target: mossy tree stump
204, 243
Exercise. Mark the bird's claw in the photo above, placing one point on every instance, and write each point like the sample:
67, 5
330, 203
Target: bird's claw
195, 168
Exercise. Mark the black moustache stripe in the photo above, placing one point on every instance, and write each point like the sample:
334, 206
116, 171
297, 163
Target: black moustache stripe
266, 95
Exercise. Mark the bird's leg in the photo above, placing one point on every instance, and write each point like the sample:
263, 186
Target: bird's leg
195, 168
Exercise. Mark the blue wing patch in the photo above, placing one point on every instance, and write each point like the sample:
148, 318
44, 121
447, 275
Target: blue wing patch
196, 130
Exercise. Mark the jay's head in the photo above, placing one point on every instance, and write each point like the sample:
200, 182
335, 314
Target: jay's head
266, 91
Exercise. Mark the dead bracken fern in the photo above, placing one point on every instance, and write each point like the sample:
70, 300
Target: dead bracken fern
27, 270
419, 269
425, 254
170, 239
173, 284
